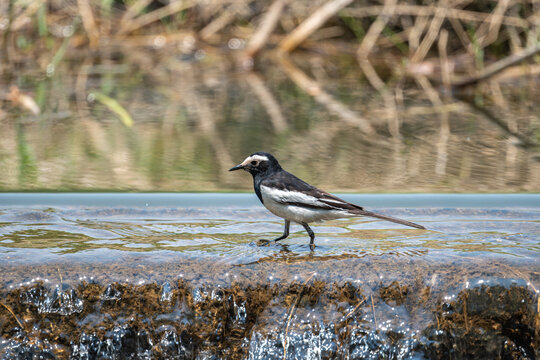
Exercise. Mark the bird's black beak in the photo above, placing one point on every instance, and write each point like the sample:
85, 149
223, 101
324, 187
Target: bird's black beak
237, 167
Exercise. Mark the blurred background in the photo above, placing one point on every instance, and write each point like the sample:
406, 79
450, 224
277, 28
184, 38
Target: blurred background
354, 96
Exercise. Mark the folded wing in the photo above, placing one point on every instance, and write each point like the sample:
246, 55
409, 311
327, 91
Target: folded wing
287, 189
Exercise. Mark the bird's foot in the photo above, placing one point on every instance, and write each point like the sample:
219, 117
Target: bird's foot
263, 242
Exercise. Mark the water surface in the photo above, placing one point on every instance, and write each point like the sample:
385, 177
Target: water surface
179, 275
194, 118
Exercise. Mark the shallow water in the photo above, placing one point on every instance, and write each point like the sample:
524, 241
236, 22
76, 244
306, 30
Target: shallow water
195, 118
178, 275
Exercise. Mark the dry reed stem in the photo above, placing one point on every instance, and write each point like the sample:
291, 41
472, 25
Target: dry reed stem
202, 110
291, 312
375, 29
134, 10
312, 87
355, 308
89, 22
81, 81
431, 93
224, 19
265, 28
488, 31
514, 40
428, 110
362, 56
311, 24
498, 66
369, 42
445, 65
429, 11
416, 32
444, 133
268, 101
462, 35
432, 33
21, 20
442, 145
143, 20
13, 314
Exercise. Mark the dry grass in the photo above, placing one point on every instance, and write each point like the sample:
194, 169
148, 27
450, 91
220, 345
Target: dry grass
475, 30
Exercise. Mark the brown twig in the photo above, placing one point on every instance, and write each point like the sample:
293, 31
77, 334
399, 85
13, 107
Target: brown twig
362, 56
432, 33
89, 22
143, 20
497, 67
134, 10
369, 41
267, 25
313, 88
355, 308
225, 18
311, 24
268, 101
419, 10
12, 313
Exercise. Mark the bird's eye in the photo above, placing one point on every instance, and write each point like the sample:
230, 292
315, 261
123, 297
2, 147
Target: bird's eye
254, 163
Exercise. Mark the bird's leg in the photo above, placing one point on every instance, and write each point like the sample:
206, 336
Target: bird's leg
285, 231
284, 236
311, 235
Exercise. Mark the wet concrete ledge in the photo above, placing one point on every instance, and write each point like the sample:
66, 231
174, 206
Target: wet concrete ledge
337, 307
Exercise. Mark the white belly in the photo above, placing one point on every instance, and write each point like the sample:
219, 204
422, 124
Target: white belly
294, 213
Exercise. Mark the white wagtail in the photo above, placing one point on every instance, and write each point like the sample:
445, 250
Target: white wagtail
292, 199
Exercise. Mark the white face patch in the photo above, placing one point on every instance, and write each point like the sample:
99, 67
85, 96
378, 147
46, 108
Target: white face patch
257, 158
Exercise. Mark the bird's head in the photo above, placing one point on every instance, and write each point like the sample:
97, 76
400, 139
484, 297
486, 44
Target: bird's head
258, 163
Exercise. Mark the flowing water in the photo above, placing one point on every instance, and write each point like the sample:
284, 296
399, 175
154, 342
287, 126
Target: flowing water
90, 276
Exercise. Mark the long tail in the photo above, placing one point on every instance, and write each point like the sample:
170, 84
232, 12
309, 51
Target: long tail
389, 218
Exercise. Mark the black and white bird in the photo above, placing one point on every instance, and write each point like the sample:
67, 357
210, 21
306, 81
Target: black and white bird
292, 199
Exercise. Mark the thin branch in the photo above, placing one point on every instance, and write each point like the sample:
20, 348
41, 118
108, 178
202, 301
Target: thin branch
224, 19
267, 25
268, 101
355, 308
432, 33
134, 10
12, 313
155, 15
313, 88
497, 67
311, 24
418, 10
89, 22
